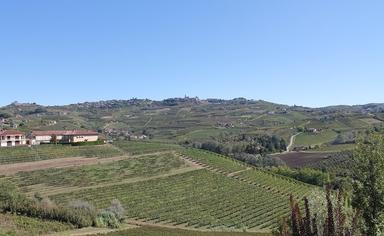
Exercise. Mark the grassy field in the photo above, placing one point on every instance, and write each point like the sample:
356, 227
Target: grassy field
97, 174
136, 147
16, 225
214, 193
336, 148
44, 152
309, 139
158, 231
198, 199
225, 195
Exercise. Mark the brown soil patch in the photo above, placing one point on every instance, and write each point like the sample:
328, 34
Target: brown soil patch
301, 159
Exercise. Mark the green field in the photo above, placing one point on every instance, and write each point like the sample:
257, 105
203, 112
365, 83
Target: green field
44, 152
309, 139
20, 225
198, 199
136, 147
96, 174
226, 194
169, 185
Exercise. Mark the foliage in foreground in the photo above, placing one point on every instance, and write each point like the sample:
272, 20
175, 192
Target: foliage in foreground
80, 214
369, 182
306, 175
338, 220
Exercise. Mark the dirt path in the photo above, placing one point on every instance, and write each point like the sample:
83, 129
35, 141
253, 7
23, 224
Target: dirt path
292, 141
11, 169
91, 231
149, 121
238, 172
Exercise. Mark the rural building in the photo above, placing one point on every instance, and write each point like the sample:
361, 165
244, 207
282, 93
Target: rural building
64, 136
12, 138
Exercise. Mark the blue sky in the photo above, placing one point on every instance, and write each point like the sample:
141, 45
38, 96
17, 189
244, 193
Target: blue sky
312, 53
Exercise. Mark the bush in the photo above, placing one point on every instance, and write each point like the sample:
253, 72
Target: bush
107, 219
117, 209
112, 216
307, 175
79, 213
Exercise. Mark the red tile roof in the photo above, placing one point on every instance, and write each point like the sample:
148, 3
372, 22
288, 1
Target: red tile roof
11, 132
64, 132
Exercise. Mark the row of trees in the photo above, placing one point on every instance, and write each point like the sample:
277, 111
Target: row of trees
250, 144
307, 175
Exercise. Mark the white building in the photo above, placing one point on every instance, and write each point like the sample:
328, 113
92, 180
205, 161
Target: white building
12, 138
64, 136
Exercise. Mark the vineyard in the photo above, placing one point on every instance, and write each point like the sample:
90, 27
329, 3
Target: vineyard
199, 199
96, 174
251, 175
136, 147
165, 184
21, 225
44, 152
339, 163
225, 194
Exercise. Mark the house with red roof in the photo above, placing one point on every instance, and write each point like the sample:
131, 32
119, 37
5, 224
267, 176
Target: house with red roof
12, 138
63, 136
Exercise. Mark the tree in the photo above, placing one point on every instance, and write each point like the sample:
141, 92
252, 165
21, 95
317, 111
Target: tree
54, 139
368, 186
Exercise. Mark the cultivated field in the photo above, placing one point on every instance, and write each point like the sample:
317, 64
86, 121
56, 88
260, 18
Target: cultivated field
302, 159
45, 152
166, 185
21, 225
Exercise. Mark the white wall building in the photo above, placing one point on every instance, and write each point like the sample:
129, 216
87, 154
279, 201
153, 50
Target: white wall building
64, 136
12, 138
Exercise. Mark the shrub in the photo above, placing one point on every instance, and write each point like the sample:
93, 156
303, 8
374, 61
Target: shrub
117, 209
108, 219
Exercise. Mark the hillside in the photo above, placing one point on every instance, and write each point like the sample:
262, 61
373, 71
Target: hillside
161, 184
192, 119
155, 168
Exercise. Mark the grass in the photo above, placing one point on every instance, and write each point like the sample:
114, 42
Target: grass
22, 225
198, 199
96, 174
336, 148
205, 134
311, 139
142, 147
227, 194
44, 152
161, 231
214, 160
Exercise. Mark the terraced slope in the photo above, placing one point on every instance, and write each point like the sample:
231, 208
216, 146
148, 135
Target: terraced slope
225, 194
197, 199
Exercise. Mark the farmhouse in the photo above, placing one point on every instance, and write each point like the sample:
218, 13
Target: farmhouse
12, 138
64, 136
